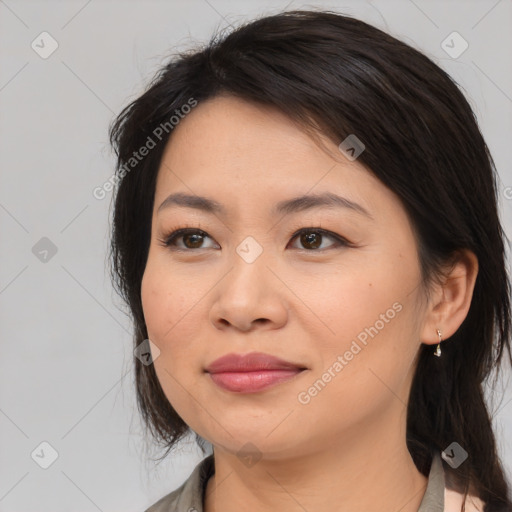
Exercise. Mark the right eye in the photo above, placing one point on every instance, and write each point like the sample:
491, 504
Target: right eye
192, 239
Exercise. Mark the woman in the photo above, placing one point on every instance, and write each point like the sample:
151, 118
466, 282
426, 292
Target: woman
306, 232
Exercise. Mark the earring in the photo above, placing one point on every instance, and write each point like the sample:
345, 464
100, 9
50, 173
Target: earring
438, 349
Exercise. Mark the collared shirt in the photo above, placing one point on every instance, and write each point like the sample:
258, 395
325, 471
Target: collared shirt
437, 498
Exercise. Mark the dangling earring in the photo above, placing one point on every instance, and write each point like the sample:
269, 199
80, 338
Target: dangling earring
438, 349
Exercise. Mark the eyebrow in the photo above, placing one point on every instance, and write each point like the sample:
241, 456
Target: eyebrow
286, 207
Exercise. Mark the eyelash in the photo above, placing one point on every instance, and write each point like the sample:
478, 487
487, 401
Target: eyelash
169, 238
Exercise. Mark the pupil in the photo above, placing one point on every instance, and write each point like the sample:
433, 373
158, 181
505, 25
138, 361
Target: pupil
197, 241
309, 239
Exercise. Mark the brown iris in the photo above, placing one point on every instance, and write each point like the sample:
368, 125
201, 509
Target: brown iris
196, 240
311, 238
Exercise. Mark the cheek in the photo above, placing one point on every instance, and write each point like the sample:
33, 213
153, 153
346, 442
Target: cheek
169, 316
370, 320
168, 305
175, 315
346, 302
365, 373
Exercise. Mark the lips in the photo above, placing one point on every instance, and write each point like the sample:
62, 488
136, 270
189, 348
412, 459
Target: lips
250, 362
250, 373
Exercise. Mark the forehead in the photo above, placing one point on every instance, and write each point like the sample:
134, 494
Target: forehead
226, 129
237, 152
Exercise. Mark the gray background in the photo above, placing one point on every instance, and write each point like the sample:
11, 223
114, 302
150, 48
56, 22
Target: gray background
66, 367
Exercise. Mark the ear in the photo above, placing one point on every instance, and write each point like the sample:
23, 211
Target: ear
451, 299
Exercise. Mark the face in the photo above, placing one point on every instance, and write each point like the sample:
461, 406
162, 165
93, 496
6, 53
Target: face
332, 288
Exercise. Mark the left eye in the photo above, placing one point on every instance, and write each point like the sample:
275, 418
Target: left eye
311, 238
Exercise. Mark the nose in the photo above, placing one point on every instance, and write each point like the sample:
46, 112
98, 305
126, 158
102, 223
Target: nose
249, 297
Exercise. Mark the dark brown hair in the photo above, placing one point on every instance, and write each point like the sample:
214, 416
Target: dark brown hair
341, 76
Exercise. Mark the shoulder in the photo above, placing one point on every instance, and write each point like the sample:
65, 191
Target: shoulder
169, 503
453, 502
189, 496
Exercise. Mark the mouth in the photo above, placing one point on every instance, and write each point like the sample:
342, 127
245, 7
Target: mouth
252, 382
253, 372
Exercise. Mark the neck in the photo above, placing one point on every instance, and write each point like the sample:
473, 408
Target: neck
364, 472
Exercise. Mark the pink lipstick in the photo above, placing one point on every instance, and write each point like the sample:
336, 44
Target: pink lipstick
250, 373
